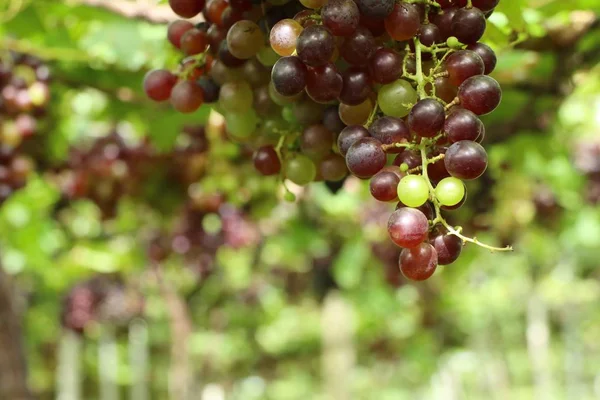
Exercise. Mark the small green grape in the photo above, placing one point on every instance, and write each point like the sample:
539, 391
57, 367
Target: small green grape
413, 190
300, 170
241, 125
267, 56
450, 191
395, 97
289, 196
288, 115
453, 43
235, 97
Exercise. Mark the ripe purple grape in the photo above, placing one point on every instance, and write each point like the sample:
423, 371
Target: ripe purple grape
315, 45
385, 66
468, 25
365, 158
427, 117
341, 17
466, 160
289, 76
480, 94
356, 86
448, 248
419, 263
349, 135
408, 227
375, 8
462, 65
324, 83
463, 124
383, 186
358, 48
389, 130
404, 22
487, 55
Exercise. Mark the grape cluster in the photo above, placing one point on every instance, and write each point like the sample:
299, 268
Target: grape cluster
24, 95
390, 91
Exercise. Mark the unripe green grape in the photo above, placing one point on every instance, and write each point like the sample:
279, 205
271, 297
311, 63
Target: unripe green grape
267, 56
235, 97
413, 190
288, 115
241, 125
453, 43
395, 99
450, 191
300, 169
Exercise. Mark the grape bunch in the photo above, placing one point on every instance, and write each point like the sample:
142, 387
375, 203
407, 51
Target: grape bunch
24, 96
390, 91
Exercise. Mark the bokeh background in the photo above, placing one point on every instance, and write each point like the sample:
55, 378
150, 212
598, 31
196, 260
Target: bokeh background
145, 259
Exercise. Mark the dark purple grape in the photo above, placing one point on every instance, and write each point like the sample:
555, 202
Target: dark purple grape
437, 170
444, 89
358, 48
448, 248
427, 117
408, 227
429, 34
349, 135
411, 158
375, 8
316, 141
356, 87
266, 161
462, 124
390, 130
323, 83
480, 94
365, 158
186, 8
404, 22
468, 25
444, 22
419, 263
333, 168
466, 160
332, 121
374, 24
210, 89
384, 186
462, 65
485, 5
176, 30
487, 55
289, 76
341, 17
426, 209
315, 45
385, 66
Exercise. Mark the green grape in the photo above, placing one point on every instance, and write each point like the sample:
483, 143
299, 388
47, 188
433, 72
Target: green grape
413, 190
241, 125
450, 191
279, 99
267, 56
274, 127
395, 99
300, 169
235, 97
244, 39
288, 115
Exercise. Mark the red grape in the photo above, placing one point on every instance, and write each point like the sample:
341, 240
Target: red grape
466, 160
408, 227
419, 263
365, 158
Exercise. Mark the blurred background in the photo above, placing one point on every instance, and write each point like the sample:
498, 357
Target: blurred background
143, 258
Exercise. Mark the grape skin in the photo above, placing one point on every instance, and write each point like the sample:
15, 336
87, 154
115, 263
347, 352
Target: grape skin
266, 161
315, 45
448, 248
349, 135
187, 97
466, 160
289, 76
158, 84
365, 158
480, 94
383, 186
419, 263
408, 227
390, 130
341, 17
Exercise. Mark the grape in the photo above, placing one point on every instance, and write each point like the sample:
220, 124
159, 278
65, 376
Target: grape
468, 25
283, 36
427, 117
389, 130
480, 94
462, 65
384, 185
349, 135
426, 209
282, 100
158, 84
186, 96
230, 17
267, 56
323, 83
413, 190
395, 99
444, 90
255, 73
450, 191
209, 88
485, 5
266, 161
375, 8
244, 39
186, 8
356, 115
315, 45
289, 76
466, 160
365, 158
235, 97
404, 22
429, 34
332, 121
307, 111
448, 248
222, 74
227, 58
444, 22
408, 227
316, 141
462, 124
241, 125
242, 5
194, 41
373, 24
176, 30
341, 17
313, 4
358, 48
300, 170
356, 86
419, 263
385, 66
333, 168
215, 36
436, 171
411, 158
487, 55
213, 12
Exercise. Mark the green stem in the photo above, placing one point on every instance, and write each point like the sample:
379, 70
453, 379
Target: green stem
419, 75
369, 121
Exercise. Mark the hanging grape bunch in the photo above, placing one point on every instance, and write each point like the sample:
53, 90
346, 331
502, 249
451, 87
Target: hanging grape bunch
24, 95
390, 91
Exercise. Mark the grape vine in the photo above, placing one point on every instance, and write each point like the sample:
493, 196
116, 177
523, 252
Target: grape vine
323, 88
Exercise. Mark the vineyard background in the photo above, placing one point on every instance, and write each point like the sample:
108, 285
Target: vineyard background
299, 300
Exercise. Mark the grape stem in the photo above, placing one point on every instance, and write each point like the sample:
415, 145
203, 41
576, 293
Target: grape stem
386, 147
419, 74
426, 2
369, 121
